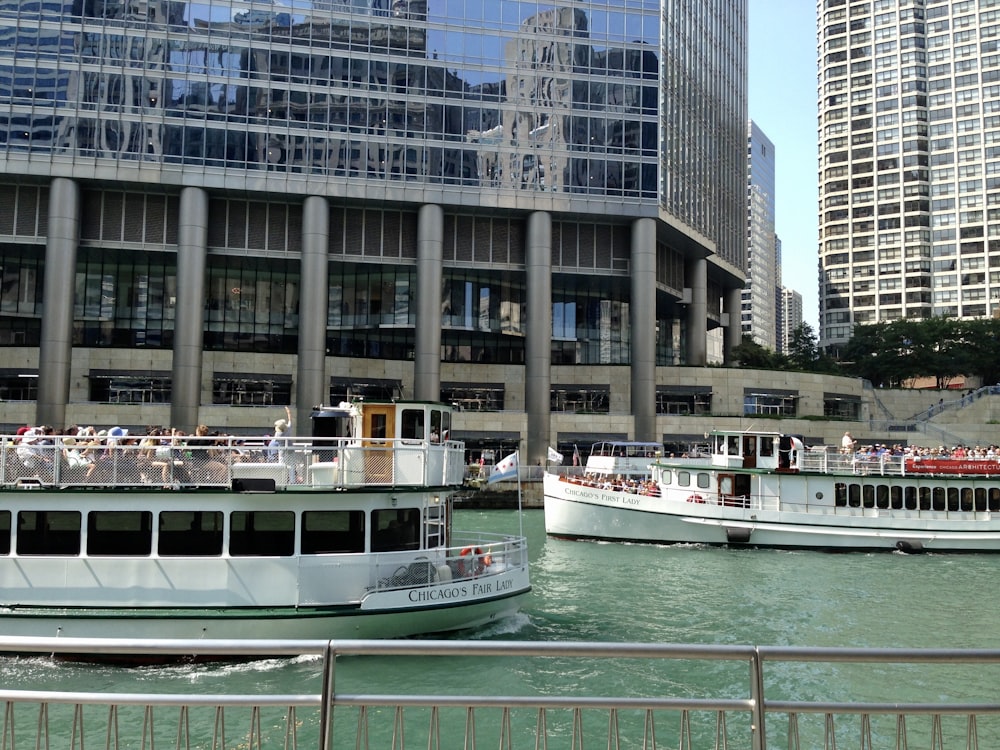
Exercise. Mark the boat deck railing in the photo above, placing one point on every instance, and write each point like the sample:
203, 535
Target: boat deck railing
888, 464
228, 462
474, 556
691, 696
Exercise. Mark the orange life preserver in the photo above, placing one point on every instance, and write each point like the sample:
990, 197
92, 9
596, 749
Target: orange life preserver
695, 499
474, 555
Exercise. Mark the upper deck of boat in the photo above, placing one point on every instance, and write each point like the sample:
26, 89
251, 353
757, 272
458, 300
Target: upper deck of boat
772, 451
229, 462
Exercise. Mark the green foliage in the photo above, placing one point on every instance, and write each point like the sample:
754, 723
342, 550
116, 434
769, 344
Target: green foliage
889, 354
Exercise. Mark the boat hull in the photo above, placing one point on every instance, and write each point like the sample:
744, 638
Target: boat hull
578, 512
456, 606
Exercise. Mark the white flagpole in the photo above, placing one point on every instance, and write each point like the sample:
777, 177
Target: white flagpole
520, 514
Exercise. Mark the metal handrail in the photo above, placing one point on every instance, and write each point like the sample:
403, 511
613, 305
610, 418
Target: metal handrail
752, 703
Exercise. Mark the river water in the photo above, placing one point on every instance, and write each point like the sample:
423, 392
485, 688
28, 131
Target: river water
607, 592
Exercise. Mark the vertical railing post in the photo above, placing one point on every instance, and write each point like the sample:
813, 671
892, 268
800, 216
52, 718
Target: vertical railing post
758, 739
326, 699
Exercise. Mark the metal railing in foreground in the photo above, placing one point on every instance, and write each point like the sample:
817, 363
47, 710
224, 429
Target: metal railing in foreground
689, 696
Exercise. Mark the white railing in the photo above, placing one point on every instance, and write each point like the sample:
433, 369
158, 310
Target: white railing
709, 696
185, 461
473, 555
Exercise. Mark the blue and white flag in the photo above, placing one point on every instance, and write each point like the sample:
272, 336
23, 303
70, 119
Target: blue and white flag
555, 457
506, 469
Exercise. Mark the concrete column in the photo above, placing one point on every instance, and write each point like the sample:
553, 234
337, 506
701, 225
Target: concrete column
643, 322
427, 354
312, 387
538, 339
55, 353
189, 325
734, 334
696, 273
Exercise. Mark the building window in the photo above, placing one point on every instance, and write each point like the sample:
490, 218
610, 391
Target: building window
474, 396
770, 403
239, 389
130, 387
18, 385
595, 399
683, 400
837, 406
375, 389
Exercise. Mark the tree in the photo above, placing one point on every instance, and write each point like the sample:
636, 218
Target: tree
751, 354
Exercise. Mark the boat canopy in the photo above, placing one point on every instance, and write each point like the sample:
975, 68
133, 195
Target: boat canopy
627, 449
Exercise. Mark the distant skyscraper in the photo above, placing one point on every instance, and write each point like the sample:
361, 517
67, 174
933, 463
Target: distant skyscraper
909, 129
790, 315
759, 308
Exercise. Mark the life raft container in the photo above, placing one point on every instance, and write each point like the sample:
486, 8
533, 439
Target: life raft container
472, 561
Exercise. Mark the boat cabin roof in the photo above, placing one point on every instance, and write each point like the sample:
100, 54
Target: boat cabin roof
626, 448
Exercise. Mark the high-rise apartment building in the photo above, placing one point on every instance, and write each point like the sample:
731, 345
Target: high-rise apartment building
909, 131
760, 296
790, 317
501, 204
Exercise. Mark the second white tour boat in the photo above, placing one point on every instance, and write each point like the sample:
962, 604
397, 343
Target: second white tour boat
764, 489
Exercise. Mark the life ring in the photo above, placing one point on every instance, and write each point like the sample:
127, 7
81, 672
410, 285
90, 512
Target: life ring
472, 561
695, 499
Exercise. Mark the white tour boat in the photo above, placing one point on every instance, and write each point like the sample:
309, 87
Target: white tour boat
764, 489
347, 535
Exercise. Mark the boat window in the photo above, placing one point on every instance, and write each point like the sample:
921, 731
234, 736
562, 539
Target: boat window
767, 446
119, 532
412, 424
704, 480
896, 497
395, 529
840, 494
378, 423
882, 496
966, 502
328, 531
4, 532
436, 429
939, 498
733, 445
868, 496
925, 498
191, 533
684, 478
261, 533
994, 501
981, 504
854, 496
953, 499
48, 532
910, 498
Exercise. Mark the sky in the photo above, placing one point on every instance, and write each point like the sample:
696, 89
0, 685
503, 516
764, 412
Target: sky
782, 101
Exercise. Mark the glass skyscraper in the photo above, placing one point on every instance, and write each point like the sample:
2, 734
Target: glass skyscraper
203, 203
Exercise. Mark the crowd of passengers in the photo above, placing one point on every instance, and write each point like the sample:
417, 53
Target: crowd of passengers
880, 450
617, 483
160, 455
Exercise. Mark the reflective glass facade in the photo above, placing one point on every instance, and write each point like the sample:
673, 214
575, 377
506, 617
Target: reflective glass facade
509, 96
458, 148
